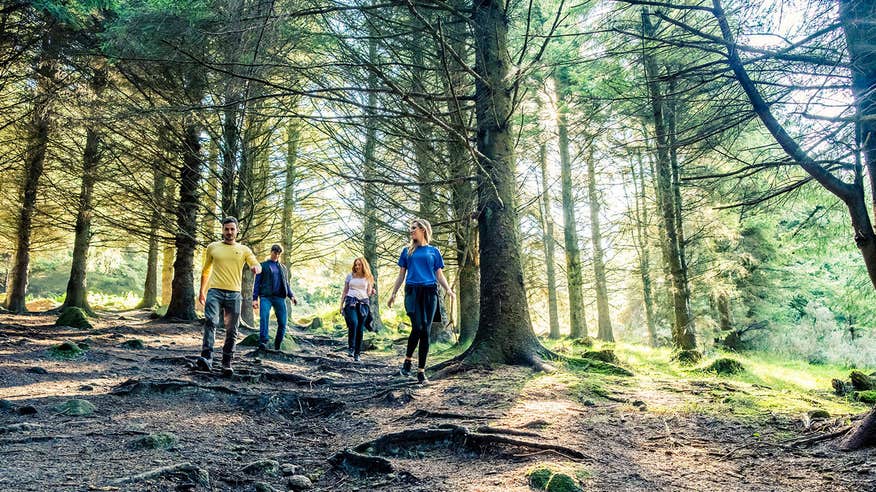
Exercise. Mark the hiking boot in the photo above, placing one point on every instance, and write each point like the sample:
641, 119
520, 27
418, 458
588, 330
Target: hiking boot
356, 357
227, 370
204, 364
263, 346
421, 377
277, 347
406, 369
350, 352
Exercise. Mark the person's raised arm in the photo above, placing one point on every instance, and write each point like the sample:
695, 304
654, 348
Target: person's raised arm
395, 287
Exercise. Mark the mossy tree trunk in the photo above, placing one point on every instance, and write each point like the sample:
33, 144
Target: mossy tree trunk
604, 331
150, 287
548, 241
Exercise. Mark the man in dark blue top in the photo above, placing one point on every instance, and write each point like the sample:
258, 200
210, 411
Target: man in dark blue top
271, 287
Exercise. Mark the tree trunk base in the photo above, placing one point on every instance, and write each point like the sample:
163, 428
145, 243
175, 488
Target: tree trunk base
863, 435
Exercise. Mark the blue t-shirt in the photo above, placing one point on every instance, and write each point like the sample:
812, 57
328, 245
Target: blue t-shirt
421, 265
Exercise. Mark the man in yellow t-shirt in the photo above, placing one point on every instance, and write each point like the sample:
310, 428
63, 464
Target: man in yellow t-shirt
221, 281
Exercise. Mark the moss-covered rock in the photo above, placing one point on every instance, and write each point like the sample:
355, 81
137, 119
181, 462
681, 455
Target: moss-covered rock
74, 317
134, 344
66, 350
76, 408
159, 440
818, 414
725, 366
603, 355
315, 324
599, 366
544, 478
861, 381
582, 342
868, 396
251, 340
262, 467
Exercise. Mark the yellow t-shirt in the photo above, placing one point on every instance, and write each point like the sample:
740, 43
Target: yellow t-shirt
224, 263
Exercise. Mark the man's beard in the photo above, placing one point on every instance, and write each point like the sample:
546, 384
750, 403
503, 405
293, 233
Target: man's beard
228, 237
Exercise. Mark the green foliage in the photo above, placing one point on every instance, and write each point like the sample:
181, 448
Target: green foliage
74, 317
868, 397
724, 366
545, 477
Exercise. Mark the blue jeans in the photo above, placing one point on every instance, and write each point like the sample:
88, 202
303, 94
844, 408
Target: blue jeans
355, 326
279, 305
226, 302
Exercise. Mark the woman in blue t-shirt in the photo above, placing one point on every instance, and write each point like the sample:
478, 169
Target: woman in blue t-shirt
422, 269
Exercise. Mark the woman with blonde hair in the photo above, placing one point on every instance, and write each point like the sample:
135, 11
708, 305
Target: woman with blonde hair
421, 268
355, 304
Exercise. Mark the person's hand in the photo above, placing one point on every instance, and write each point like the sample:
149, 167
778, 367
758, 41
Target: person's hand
452, 295
202, 299
391, 301
294, 301
254, 270
255, 305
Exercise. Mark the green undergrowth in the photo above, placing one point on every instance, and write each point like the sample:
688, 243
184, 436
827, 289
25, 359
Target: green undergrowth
750, 386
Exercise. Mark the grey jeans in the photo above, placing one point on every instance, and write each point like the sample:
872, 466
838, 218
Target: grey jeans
227, 302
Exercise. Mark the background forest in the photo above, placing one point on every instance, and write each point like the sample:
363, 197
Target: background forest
678, 174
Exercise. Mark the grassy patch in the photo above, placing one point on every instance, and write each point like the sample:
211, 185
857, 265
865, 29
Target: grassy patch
66, 350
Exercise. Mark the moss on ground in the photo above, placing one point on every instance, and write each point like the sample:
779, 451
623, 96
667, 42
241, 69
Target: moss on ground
159, 440
725, 366
549, 479
66, 350
74, 317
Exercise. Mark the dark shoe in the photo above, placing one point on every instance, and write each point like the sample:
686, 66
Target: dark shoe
421, 377
277, 347
227, 370
350, 352
356, 357
406, 369
204, 364
263, 346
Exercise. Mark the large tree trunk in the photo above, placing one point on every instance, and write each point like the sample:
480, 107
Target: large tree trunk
504, 332
77, 290
548, 240
38, 129
287, 231
182, 300
150, 289
684, 334
369, 190
574, 275
602, 309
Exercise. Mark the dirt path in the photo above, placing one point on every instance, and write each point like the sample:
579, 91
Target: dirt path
288, 414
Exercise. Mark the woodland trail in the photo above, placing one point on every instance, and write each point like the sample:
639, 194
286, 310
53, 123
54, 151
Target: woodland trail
286, 419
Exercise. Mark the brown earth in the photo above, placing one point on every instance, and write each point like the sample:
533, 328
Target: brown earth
302, 408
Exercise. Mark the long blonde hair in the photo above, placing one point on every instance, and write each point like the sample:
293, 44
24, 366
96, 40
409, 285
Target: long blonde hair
427, 234
366, 269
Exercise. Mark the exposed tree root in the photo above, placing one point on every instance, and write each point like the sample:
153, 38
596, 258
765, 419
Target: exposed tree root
163, 386
291, 404
6, 429
808, 441
448, 436
486, 429
186, 471
419, 413
538, 359
862, 435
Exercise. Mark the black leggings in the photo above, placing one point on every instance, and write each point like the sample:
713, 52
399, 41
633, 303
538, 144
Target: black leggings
420, 304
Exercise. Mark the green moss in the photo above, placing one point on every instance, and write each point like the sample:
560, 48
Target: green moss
74, 317
561, 482
688, 357
134, 344
861, 381
159, 440
66, 350
598, 366
868, 396
539, 477
725, 366
601, 355
76, 408
251, 340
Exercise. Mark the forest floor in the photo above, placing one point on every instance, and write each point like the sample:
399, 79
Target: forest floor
284, 416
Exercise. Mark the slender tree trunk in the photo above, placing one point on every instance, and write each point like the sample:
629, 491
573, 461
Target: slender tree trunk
212, 183
169, 251
602, 308
504, 332
575, 277
684, 334
150, 289
462, 192
548, 240
287, 231
369, 190
38, 128
640, 230
182, 300
77, 290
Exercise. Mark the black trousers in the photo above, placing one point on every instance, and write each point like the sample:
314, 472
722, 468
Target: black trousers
421, 301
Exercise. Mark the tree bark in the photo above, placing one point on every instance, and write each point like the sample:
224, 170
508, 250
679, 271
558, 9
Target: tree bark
287, 231
150, 288
548, 240
182, 300
369, 191
38, 128
684, 333
640, 210
604, 331
504, 332
77, 289
574, 275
